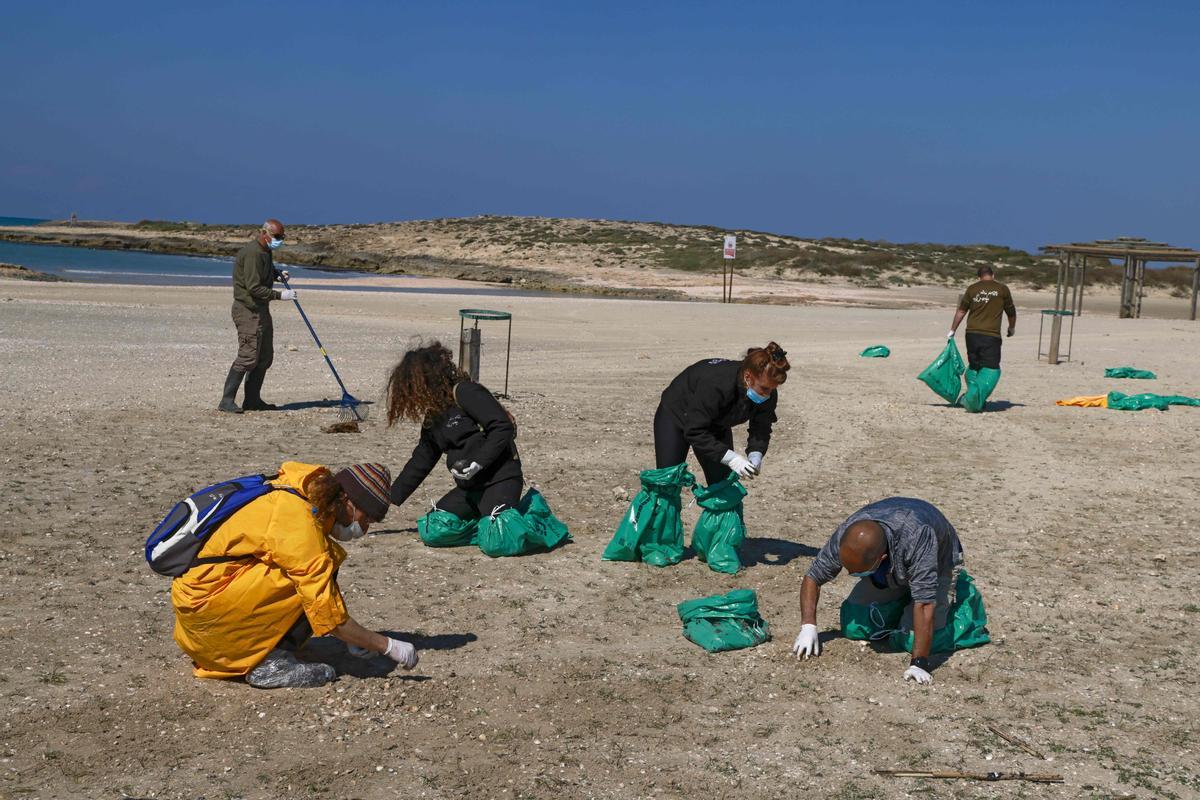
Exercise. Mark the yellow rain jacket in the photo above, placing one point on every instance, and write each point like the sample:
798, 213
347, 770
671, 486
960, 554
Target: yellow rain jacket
229, 615
1086, 401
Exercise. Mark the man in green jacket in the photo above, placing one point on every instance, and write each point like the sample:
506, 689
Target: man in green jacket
254, 275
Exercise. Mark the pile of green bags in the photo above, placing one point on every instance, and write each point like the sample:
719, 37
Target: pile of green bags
651, 530
724, 622
876, 351
966, 623
1130, 372
944, 375
530, 527
1140, 402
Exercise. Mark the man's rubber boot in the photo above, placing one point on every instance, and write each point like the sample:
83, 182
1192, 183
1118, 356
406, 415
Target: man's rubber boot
282, 670
253, 400
228, 399
969, 378
986, 383
980, 384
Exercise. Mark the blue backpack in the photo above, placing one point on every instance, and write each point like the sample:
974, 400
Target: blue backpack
171, 550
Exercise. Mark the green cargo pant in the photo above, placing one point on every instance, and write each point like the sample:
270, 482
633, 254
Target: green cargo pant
256, 338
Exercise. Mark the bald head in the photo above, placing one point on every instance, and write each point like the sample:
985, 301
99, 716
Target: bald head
863, 545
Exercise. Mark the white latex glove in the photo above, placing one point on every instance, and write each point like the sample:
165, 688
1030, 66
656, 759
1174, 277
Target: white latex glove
284, 275
468, 473
807, 643
402, 653
950, 335
755, 460
287, 294
739, 465
914, 673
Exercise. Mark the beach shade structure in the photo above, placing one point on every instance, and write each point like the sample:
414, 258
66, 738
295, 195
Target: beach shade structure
876, 351
350, 408
1134, 253
1130, 372
944, 375
724, 621
470, 341
1129, 402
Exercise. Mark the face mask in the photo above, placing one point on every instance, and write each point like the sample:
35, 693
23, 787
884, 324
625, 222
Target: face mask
275, 244
869, 572
755, 397
346, 533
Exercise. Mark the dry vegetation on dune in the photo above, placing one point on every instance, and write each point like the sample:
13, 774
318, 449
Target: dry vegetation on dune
577, 253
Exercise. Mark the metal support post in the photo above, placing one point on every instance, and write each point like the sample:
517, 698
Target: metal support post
468, 352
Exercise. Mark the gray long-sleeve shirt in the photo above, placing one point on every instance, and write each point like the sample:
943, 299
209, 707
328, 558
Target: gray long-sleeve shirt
922, 544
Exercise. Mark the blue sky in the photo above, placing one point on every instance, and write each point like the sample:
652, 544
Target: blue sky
1015, 123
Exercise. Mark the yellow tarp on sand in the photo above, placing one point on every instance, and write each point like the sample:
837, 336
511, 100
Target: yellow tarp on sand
1085, 401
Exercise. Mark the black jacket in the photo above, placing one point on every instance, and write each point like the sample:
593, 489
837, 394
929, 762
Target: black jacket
475, 428
708, 398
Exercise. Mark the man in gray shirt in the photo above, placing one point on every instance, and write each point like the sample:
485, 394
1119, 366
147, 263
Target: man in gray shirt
896, 546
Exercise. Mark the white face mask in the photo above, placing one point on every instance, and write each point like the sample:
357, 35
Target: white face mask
275, 244
346, 533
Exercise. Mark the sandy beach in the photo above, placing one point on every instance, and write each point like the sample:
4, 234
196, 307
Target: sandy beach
559, 675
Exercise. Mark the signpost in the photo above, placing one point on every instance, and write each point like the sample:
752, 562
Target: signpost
727, 269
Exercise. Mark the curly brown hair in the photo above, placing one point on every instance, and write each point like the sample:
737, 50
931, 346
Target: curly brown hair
771, 359
324, 493
421, 386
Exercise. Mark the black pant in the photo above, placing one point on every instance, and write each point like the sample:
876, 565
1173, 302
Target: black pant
983, 351
671, 447
476, 503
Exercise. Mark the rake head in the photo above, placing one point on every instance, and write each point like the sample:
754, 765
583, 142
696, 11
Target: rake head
353, 410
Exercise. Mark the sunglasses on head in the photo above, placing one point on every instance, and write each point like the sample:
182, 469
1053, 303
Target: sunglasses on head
779, 355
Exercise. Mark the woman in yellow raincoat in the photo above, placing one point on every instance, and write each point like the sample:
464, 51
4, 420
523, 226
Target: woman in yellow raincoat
266, 580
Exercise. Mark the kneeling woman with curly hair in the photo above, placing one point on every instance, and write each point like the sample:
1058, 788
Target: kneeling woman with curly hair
458, 418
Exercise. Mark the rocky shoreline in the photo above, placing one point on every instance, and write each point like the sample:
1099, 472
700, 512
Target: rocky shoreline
17, 272
220, 244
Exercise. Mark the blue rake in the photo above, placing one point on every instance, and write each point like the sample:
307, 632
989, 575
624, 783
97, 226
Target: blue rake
350, 409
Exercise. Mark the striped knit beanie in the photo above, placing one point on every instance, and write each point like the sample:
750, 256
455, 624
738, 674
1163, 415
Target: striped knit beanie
368, 487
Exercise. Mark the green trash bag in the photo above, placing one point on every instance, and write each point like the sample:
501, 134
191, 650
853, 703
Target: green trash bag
944, 375
966, 622
876, 351
871, 622
531, 527
980, 385
651, 530
1130, 372
724, 622
1140, 402
442, 529
721, 527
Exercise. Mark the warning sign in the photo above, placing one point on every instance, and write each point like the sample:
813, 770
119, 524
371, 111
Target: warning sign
730, 246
